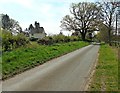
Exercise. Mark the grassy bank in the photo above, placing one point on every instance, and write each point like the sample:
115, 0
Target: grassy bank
22, 59
106, 75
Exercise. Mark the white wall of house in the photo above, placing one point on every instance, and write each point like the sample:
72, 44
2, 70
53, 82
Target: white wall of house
38, 35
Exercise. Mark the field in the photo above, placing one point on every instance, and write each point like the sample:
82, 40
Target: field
24, 58
106, 75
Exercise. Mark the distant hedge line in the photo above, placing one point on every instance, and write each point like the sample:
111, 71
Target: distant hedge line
57, 39
10, 41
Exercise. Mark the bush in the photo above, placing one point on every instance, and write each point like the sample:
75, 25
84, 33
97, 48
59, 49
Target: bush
67, 39
46, 41
33, 39
74, 38
57, 39
6, 40
10, 41
20, 40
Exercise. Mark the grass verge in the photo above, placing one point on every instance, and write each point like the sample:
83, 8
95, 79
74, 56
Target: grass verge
106, 75
23, 59
119, 68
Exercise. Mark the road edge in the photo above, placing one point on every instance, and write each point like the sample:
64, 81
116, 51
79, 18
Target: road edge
90, 76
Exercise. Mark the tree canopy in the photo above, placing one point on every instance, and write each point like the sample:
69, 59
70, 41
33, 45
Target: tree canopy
10, 24
84, 18
108, 15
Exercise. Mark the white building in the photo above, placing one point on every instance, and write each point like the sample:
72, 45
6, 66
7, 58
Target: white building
37, 31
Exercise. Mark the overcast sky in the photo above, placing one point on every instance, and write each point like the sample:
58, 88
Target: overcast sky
48, 12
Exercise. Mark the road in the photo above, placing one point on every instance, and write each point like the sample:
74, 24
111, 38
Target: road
66, 73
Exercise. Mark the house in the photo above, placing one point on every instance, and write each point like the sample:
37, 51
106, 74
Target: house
37, 31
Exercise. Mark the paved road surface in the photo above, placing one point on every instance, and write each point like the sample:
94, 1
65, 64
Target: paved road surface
66, 73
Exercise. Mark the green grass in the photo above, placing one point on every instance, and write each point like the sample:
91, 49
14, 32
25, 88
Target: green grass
23, 58
106, 75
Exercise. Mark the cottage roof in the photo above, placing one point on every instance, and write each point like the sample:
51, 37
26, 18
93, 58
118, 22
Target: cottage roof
37, 30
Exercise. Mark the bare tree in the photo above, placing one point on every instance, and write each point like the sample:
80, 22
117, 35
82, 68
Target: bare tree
15, 28
84, 18
108, 9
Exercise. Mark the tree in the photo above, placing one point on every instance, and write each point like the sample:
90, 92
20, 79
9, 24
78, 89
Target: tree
10, 24
85, 17
15, 28
103, 33
108, 9
31, 27
6, 24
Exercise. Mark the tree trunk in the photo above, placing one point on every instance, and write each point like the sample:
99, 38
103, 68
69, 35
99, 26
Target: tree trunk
109, 30
109, 36
83, 36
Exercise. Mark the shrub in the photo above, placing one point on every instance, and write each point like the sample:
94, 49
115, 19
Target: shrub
57, 39
10, 41
67, 39
33, 39
46, 41
20, 40
74, 38
6, 40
